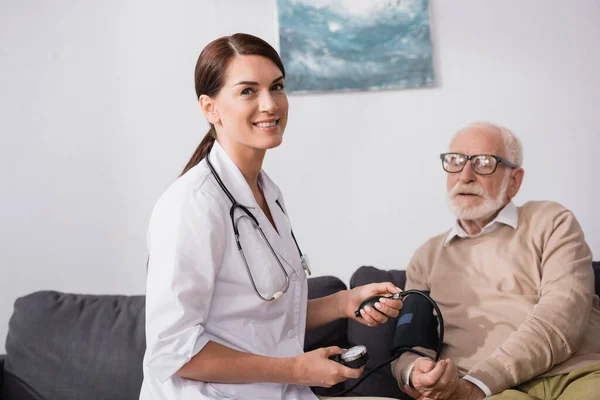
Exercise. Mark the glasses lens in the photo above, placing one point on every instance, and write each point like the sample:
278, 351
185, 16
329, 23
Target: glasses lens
453, 162
484, 165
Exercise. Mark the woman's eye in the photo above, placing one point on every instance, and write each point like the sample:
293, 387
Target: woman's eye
246, 92
277, 86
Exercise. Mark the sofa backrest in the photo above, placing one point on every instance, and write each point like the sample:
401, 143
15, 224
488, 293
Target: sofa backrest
73, 346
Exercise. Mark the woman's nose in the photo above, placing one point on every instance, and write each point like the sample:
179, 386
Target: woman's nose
267, 103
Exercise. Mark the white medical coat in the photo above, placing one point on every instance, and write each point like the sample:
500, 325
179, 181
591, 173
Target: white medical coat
198, 288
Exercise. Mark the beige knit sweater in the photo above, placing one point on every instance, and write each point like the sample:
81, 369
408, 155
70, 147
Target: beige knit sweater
517, 303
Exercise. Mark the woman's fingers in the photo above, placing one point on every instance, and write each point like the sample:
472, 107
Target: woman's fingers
368, 316
389, 307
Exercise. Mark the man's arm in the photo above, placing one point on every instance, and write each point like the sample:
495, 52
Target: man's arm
554, 329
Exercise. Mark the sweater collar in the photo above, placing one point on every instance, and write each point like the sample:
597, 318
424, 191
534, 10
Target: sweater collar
507, 216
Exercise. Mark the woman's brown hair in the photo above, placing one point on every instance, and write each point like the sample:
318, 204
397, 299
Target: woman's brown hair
211, 68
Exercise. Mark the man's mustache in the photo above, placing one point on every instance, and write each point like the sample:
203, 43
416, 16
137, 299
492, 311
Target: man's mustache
468, 188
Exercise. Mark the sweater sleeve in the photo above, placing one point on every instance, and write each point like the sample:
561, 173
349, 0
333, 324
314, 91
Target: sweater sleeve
554, 328
416, 278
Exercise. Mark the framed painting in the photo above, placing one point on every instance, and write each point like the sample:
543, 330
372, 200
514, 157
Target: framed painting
336, 45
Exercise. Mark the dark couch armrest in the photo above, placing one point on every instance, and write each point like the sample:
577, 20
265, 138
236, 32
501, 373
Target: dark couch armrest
378, 340
2, 358
332, 334
596, 266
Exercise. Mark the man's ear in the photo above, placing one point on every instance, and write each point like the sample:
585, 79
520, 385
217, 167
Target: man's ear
514, 184
209, 108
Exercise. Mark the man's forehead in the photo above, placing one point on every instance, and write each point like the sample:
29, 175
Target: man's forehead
478, 140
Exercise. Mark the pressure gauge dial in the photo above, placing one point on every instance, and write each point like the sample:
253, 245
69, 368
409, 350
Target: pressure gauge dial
354, 357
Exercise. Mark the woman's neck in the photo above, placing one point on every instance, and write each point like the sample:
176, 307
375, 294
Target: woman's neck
247, 159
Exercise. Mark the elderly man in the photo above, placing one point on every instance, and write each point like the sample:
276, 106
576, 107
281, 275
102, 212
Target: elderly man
515, 286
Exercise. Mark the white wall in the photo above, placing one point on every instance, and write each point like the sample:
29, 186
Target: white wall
98, 116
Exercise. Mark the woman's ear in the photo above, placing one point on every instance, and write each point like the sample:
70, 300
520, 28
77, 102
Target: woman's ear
209, 108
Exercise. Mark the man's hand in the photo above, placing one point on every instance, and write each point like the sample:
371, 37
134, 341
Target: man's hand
439, 381
433, 381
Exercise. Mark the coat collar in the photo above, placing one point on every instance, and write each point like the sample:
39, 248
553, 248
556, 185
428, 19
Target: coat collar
231, 176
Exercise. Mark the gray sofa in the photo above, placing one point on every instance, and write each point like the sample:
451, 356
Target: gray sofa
70, 346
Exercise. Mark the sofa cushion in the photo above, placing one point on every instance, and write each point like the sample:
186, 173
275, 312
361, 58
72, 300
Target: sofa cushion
70, 346
378, 340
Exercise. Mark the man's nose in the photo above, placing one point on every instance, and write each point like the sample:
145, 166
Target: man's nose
267, 103
467, 174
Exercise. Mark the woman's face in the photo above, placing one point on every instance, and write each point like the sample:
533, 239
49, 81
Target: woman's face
252, 107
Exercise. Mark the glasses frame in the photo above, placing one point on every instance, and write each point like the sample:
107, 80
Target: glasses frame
471, 158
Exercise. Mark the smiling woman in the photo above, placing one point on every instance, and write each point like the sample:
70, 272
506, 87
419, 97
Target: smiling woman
226, 292
250, 113
210, 78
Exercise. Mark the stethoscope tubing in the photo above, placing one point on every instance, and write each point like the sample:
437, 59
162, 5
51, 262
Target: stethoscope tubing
247, 214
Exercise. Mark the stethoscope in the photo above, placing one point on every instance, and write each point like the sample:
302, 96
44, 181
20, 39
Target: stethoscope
248, 215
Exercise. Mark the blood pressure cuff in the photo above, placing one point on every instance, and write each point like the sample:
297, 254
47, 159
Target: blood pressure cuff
416, 324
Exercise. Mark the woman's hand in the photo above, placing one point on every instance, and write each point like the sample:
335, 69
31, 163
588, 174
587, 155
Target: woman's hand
316, 369
384, 308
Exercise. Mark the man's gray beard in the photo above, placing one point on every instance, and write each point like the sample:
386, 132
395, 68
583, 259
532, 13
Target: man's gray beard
485, 210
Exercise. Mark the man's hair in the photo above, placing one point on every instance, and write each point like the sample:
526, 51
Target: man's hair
513, 145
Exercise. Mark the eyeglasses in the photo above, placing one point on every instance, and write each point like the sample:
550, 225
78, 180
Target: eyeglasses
482, 164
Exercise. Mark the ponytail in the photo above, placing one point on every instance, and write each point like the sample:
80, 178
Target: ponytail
202, 150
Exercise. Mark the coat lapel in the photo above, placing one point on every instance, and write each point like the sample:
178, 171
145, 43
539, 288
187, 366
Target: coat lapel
280, 239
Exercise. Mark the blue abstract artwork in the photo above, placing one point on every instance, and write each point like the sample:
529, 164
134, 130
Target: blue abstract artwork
333, 45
